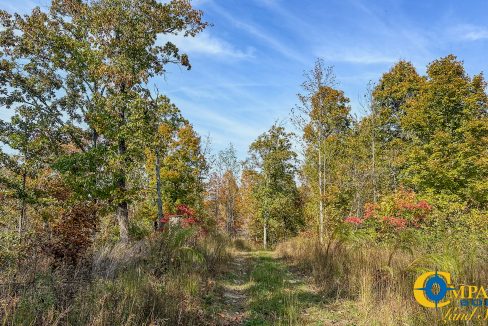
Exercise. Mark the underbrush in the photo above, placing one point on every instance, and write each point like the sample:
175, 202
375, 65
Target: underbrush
379, 278
243, 245
161, 280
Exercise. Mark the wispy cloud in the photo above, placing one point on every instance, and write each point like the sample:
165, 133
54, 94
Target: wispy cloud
470, 32
394, 29
23, 6
259, 33
207, 44
355, 55
222, 126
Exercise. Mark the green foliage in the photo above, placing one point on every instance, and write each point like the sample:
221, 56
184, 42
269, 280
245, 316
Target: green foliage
443, 157
173, 149
276, 193
76, 78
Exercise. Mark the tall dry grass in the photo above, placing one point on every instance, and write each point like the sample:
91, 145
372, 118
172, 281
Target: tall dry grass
380, 284
161, 280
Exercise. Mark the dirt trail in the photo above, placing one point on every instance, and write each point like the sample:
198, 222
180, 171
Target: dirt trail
233, 290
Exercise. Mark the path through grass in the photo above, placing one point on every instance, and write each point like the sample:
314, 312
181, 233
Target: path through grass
260, 289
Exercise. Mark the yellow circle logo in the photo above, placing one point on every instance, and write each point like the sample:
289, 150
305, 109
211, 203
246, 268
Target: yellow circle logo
430, 289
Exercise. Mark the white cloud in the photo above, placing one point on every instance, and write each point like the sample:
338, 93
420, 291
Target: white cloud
258, 32
355, 55
471, 32
207, 44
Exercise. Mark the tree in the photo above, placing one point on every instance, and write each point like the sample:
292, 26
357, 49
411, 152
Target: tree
276, 191
86, 64
247, 204
388, 103
392, 95
223, 189
322, 115
447, 131
227, 169
182, 170
163, 120
228, 197
24, 136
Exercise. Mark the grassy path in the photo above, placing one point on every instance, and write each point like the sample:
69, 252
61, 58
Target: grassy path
260, 289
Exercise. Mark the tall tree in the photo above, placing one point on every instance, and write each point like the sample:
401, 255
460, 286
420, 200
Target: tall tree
280, 210
182, 169
163, 120
23, 135
86, 63
322, 114
247, 204
228, 169
447, 128
388, 103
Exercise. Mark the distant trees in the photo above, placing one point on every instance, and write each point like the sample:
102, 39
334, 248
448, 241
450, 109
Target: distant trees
229, 165
223, 190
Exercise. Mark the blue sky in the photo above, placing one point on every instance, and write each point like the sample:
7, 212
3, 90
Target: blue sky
248, 67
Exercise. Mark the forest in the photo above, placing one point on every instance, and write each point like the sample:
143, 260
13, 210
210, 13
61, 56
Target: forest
115, 211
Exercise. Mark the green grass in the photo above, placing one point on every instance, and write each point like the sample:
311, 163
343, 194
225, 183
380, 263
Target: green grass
275, 297
271, 291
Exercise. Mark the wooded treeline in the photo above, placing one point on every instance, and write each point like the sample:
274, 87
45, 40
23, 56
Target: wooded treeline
84, 119
421, 136
87, 131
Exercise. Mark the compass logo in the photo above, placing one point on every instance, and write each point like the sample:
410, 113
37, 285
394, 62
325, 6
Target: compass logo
430, 289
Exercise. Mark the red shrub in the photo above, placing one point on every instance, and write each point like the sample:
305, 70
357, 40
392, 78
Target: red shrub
354, 220
184, 214
397, 211
397, 223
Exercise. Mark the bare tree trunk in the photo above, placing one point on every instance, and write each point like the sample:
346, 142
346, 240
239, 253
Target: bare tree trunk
228, 213
230, 205
373, 163
217, 198
373, 151
232, 216
321, 194
123, 206
23, 205
265, 220
158, 190
324, 187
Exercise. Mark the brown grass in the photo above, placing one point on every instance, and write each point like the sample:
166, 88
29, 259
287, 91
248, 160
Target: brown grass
382, 292
161, 280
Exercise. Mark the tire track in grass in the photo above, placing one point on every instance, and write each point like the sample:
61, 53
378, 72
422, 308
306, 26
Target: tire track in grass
260, 289
276, 295
232, 289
